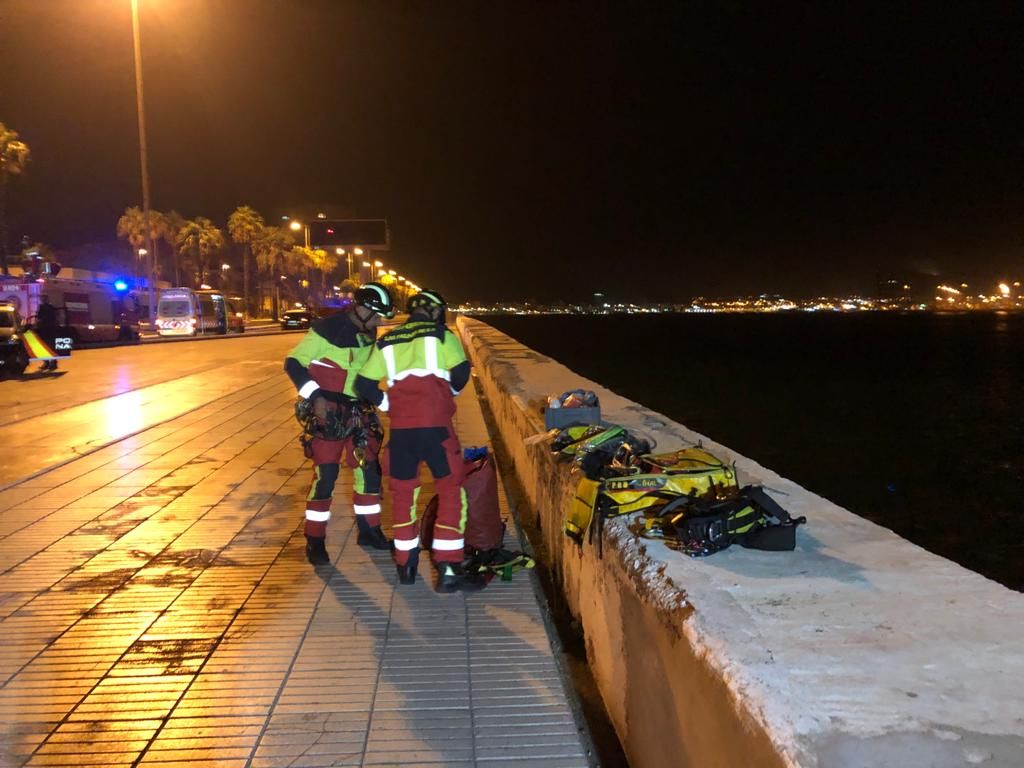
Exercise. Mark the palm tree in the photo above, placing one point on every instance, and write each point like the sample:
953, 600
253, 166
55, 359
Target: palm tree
157, 228
130, 227
301, 262
272, 247
173, 222
326, 262
245, 226
199, 240
349, 286
14, 156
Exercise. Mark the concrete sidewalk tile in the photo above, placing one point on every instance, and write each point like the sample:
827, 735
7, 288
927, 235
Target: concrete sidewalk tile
165, 607
158, 762
532, 749
422, 754
99, 759
309, 761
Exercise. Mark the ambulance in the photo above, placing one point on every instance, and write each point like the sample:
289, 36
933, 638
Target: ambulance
188, 312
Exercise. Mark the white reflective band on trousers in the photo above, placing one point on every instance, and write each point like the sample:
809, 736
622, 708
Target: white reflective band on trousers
366, 509
446, 545
317, 516
308, 389
405, 546
430, 360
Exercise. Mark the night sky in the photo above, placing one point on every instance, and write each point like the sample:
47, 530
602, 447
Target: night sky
546, 149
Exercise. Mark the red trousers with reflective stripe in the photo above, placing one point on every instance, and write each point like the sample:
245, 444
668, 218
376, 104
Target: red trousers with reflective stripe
439, 449
327, 456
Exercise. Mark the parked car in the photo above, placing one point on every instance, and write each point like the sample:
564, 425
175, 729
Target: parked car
233, 314
296, 319
13, 357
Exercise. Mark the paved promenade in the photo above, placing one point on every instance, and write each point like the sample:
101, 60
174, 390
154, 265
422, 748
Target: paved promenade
156, 609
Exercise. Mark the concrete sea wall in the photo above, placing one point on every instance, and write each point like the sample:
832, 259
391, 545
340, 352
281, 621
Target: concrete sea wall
858, 649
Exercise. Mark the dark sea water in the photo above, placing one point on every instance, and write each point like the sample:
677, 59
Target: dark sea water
913, 421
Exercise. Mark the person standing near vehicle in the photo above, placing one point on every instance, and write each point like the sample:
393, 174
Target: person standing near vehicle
46, 324
323, 368
425, 367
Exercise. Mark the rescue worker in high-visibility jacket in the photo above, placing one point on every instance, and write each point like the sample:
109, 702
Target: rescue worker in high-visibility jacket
425, 367
323, 367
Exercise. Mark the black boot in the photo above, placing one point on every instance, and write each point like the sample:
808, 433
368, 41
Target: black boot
407, 572
454, 578
371, 537
316, 550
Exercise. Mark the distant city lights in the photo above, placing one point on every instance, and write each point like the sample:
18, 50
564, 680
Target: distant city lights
1004, 296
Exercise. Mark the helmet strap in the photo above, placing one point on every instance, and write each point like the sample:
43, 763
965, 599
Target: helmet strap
360, 320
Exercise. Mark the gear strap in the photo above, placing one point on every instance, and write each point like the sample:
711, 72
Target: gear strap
355, 420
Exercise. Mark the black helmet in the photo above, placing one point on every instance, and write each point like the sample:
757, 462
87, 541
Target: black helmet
375, 297
432, 301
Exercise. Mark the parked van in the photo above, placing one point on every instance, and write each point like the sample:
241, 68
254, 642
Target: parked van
185, 312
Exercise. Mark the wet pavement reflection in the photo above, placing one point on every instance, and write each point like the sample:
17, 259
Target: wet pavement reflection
156, 607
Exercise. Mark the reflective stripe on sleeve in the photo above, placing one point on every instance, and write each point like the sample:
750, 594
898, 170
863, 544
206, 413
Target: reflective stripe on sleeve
308, 389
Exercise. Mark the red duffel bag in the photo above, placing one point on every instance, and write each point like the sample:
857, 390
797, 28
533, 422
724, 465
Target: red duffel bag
484, 527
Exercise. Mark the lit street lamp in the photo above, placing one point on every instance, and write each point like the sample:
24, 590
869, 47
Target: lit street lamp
348, 260
137, 45
296, 226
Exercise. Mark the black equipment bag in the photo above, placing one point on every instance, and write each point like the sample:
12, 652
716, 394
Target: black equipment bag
751, 519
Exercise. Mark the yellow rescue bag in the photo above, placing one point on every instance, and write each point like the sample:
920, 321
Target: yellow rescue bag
690, 472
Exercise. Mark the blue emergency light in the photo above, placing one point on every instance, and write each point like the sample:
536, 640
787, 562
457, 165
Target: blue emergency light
120, 285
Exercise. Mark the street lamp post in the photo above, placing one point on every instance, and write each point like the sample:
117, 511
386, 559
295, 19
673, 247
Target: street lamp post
359, 252
297, 225
348, 260
137, 44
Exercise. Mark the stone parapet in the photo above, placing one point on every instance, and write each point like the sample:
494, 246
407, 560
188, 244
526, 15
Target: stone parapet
858, 649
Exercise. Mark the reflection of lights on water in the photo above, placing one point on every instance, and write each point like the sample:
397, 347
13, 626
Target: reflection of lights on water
123, 414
